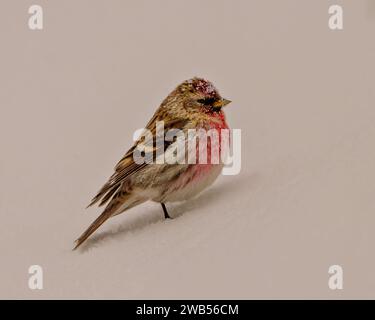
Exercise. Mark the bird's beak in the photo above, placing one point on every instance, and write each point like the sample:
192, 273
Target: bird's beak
221, 103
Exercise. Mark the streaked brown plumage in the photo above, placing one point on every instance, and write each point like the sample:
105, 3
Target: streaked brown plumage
193, 104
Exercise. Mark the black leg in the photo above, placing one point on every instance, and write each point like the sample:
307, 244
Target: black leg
166, 215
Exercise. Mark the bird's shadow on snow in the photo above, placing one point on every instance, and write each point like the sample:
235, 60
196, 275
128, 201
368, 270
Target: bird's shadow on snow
155, 214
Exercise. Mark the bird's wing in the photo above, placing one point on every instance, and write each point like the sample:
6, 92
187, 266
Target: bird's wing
127, 167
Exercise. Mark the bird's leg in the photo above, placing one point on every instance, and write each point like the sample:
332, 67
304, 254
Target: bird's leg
166, 215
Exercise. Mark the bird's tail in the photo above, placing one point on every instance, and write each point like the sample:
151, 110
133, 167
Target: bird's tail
116, 206
91, 229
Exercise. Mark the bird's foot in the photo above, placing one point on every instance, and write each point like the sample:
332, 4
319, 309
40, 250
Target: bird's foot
166, 214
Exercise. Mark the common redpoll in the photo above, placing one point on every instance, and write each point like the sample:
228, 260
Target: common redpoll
194, 104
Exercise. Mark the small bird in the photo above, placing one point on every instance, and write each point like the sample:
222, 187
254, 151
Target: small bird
194, 104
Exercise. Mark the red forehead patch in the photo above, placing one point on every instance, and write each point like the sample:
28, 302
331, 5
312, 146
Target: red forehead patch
205, 87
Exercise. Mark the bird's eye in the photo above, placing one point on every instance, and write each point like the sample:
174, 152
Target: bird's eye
207, 101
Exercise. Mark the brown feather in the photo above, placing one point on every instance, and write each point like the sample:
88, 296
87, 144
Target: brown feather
126, 167
114, 205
